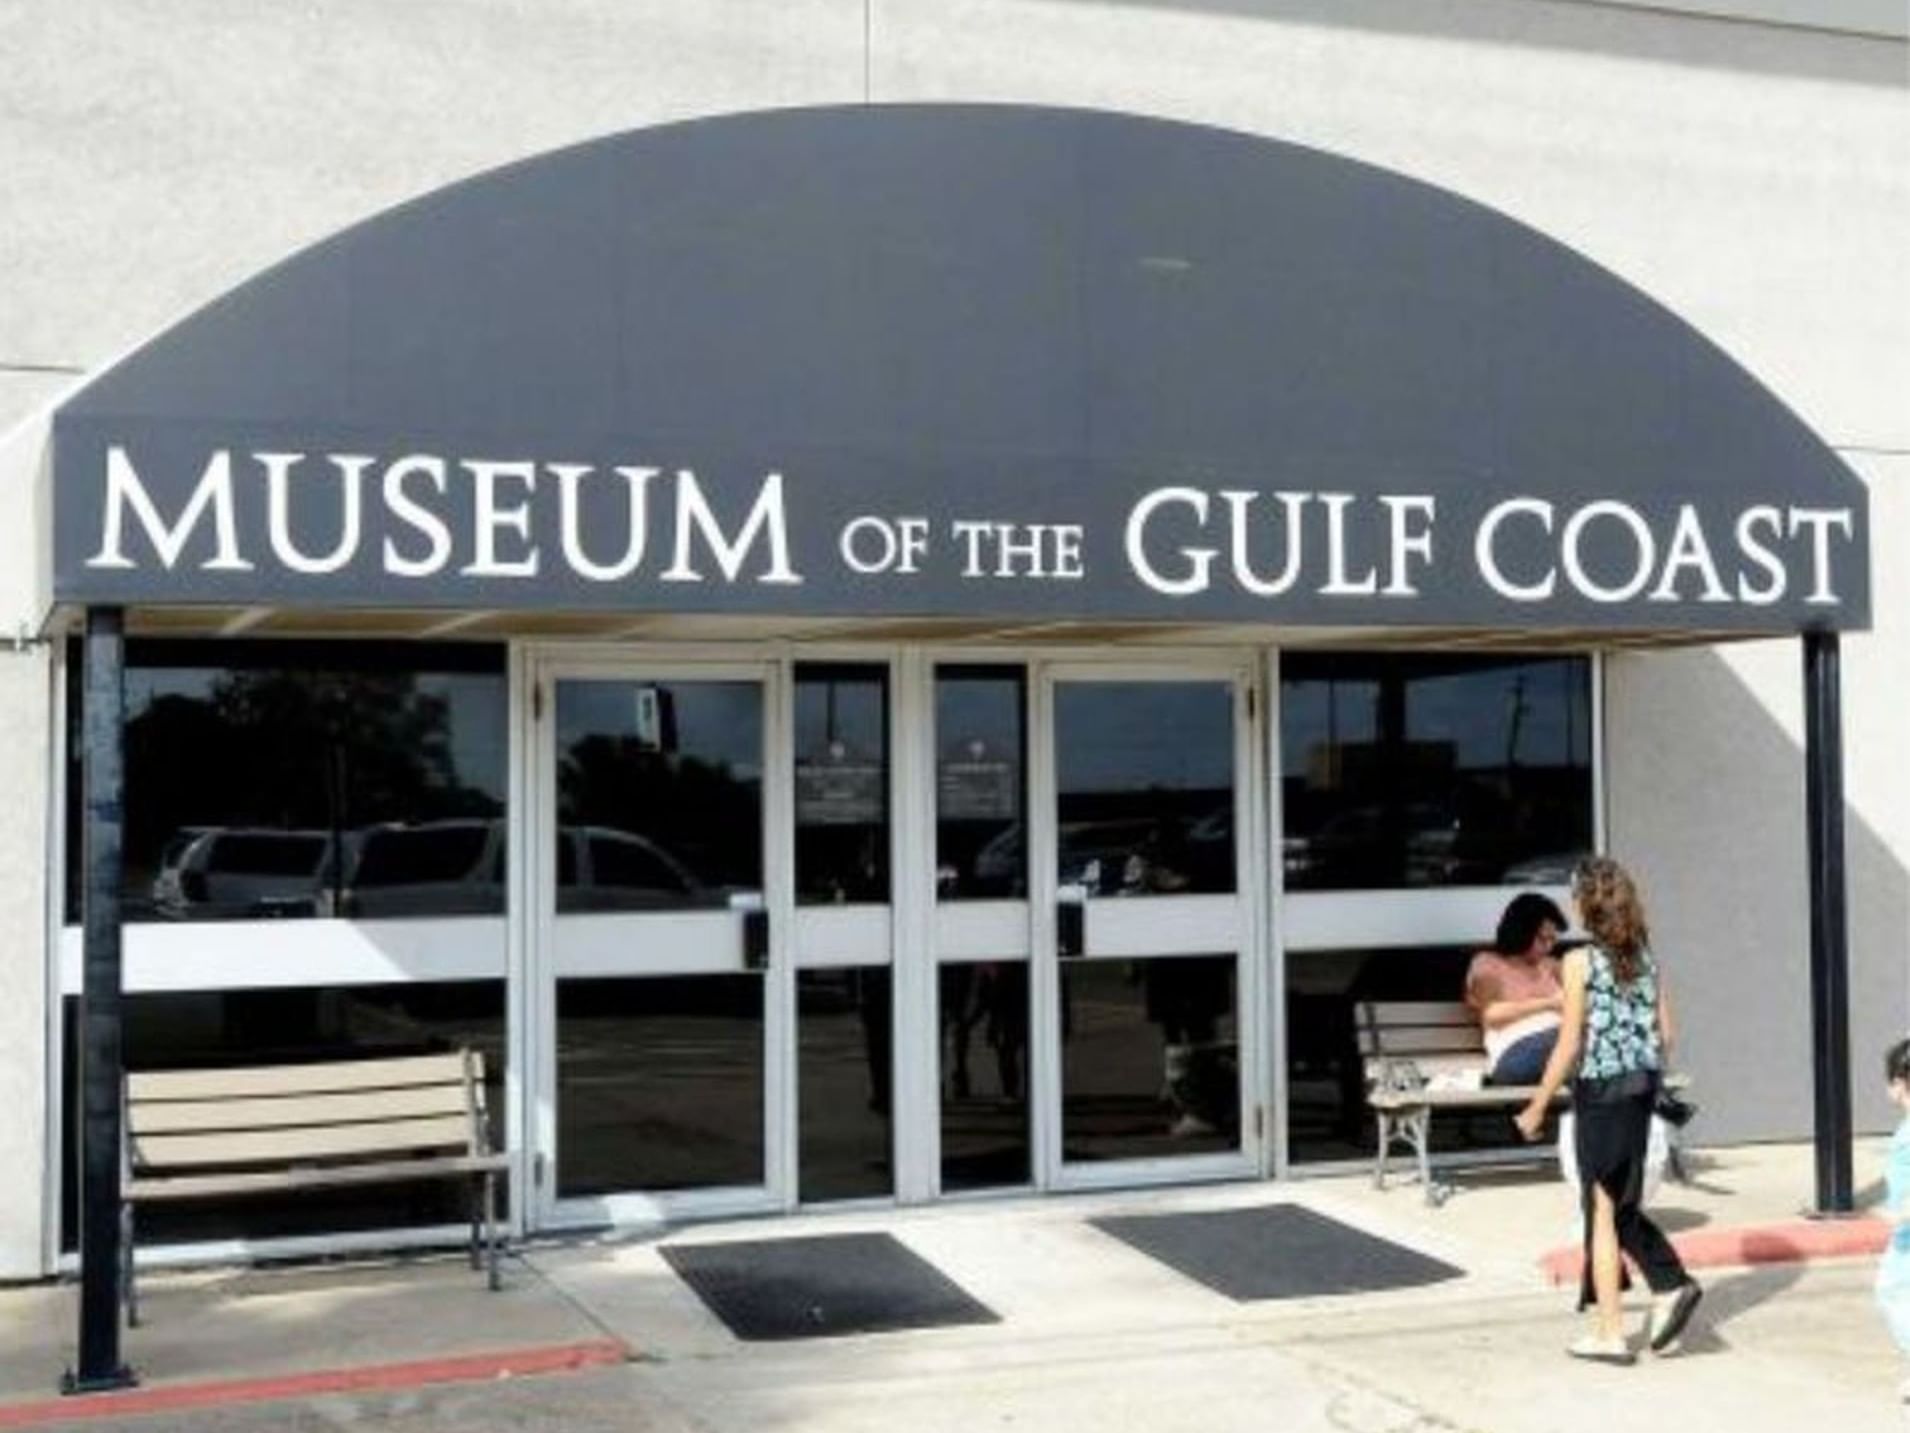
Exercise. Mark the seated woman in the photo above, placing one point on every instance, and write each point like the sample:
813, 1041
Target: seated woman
1516, 991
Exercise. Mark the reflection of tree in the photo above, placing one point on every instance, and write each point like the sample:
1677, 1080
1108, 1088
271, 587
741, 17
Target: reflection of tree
392, 742
291, 749
698, 811
181, 769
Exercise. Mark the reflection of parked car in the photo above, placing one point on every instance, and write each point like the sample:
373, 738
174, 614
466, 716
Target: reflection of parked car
457, 868
1463, 843
1110, 856
602, 869
1210, 851
1360, 846
432, 868
235, 872
175, 849
1347, 849
1093, 854
1552, 870
1001, 865
396, 869
1120, 854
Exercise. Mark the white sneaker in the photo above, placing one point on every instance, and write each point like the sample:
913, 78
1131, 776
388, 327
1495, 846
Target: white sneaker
1670, 1313
1601, 1348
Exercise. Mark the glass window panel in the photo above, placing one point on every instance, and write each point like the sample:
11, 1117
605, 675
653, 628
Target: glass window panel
1434, 770
844, 1058
1335, 792
195, 1029
437, 868
1327, 1115
659, 1083
1145, 786
659, 794
984, 1075
1150, 1059
256, 771
980, 850
622, 865
1500, 782
422, 854
842, 784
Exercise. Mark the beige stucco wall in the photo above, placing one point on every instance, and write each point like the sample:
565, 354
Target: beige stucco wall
1706, 798
156, 155
24, 715
1756, 179
1752, 177
25, 761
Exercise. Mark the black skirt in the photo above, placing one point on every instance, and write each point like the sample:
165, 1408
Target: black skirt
1612, 1135
1614, 1131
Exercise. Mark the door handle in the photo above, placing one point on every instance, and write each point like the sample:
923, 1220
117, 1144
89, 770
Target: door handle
749, 905
1071, 929
756, 939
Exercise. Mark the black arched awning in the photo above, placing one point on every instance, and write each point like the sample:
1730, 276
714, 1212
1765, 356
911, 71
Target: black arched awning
954, 360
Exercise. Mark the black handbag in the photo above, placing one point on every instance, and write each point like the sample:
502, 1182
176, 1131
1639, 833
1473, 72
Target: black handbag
1673, 1108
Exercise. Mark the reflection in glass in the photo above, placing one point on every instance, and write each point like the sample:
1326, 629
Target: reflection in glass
1327, 1114
1150, 1062
257, 772
1434, 770
844, 1060
438, 868
659, 794
842, 784
984, 1075
1145, 787
178, 1030
659, 1083
979, 790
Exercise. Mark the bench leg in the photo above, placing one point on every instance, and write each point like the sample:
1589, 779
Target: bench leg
471, 1217
490, 1230
1385, 1123
130, 1291
1417, 1127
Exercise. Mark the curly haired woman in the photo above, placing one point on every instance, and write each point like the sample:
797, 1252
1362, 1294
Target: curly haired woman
1615, 1033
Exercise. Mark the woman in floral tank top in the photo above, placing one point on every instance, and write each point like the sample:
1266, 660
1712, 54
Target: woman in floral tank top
1615, 1032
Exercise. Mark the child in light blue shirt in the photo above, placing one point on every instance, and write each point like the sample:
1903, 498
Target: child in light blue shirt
1893, 1272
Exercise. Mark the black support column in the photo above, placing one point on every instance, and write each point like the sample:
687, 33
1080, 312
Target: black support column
1830, 946
101, 1070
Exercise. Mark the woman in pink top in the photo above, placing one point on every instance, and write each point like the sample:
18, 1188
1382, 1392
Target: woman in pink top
1515, 990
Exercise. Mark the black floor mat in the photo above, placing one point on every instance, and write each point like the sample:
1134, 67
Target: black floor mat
1275, 1251
820, 1287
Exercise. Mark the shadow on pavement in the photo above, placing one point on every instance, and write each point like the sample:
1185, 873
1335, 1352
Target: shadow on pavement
1728, 1297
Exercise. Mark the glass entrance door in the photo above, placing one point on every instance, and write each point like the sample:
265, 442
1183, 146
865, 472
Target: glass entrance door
979, 928
651, 874
844, 931
1149, 1009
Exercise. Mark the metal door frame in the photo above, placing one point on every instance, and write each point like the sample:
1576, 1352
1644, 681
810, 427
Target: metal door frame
1052, 1171
532, 961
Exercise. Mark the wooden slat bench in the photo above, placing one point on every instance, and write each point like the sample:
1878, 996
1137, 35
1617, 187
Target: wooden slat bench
270, 1129
1409, 1050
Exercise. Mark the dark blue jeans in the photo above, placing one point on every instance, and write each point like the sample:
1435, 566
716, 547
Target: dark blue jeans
1523, 1061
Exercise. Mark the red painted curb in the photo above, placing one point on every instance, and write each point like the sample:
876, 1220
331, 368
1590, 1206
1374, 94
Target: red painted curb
170, 1398
1794, 1242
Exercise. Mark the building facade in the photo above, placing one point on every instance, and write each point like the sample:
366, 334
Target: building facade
761, 881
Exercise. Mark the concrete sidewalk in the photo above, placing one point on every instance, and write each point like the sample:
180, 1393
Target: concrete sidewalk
1526, 1210
279, 1325
1091, 1330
